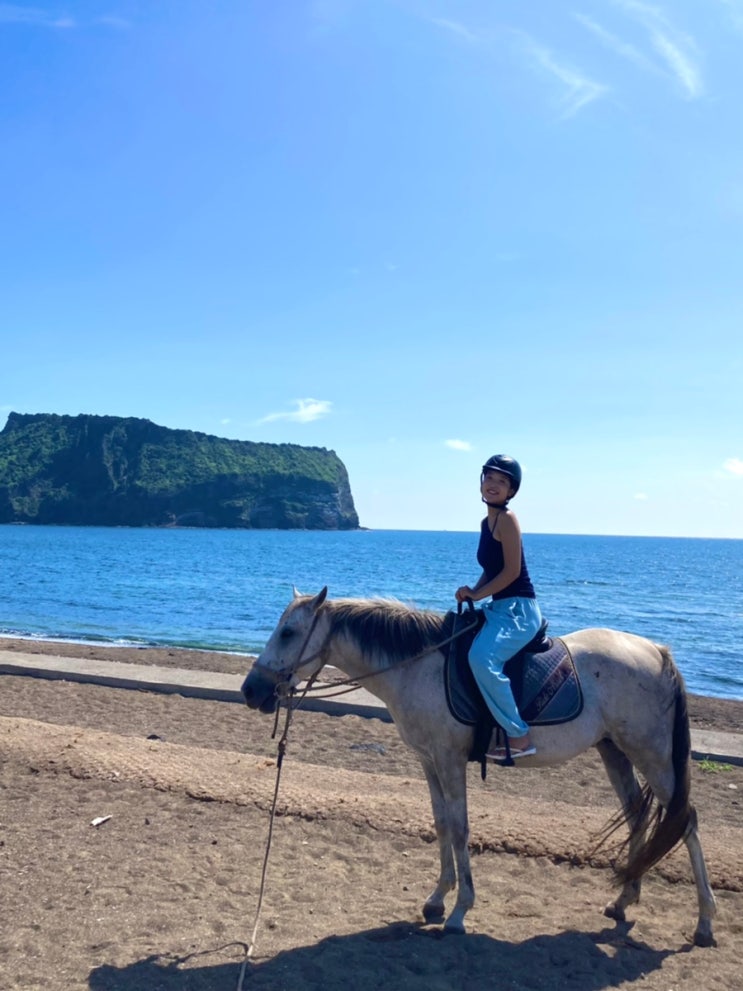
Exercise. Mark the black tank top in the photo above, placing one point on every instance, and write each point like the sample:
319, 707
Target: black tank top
490, 559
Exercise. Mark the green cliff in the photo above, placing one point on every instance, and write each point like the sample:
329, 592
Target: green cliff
115, 471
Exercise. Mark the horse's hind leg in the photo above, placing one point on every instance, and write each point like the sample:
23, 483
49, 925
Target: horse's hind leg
660, 780
707, 907
624, 781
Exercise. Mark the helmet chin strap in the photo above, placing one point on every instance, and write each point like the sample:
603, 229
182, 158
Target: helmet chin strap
496, 505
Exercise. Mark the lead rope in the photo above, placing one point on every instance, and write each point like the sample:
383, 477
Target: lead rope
281, 750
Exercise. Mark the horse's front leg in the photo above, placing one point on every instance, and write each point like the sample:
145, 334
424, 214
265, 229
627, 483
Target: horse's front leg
433, 909
447, 782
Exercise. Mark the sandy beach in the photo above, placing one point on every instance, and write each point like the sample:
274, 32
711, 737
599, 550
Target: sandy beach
163, 894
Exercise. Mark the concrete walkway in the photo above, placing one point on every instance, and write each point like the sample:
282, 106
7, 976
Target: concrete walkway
706, 744
174, 681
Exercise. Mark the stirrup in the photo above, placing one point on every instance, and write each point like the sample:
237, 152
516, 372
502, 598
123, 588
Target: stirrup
505, 756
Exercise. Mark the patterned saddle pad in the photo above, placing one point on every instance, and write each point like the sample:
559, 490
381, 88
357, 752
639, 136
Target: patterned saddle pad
543, 678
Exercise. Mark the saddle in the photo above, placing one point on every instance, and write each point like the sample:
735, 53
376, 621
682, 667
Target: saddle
543, 679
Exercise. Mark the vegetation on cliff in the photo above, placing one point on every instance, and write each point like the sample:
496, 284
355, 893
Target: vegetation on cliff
115, 471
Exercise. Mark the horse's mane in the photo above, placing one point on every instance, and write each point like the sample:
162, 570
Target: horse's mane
385, 625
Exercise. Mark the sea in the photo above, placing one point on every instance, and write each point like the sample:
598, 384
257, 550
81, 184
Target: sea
226, 589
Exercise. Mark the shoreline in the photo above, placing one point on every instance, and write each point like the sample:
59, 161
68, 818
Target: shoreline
163, 655
710, 712
205, 658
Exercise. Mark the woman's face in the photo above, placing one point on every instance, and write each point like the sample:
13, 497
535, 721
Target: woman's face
496, 487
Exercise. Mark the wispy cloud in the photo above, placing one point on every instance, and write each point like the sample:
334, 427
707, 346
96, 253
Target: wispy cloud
458, 445
624, 49
577, 89
306, 411
733, 466
735, 10
680, 64
13, 13
677, 50
454, 27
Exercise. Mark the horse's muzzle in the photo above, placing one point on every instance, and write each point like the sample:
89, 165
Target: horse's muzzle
259, 691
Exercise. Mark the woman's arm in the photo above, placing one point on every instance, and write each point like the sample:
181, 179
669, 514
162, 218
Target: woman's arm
465, 592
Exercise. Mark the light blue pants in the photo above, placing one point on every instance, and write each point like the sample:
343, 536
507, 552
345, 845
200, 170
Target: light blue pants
509, 625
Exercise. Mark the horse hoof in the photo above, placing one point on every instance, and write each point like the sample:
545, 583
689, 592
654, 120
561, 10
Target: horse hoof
613, 911
454, 929
433, 913
704, 938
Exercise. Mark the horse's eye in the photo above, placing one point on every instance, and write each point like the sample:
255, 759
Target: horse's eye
287, 633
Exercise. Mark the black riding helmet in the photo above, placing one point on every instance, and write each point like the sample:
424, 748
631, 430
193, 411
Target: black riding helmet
506, 466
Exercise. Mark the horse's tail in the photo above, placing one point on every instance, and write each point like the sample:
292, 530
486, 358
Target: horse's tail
665, 828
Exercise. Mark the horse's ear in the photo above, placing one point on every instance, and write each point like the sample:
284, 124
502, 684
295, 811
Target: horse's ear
296, 593
319, 598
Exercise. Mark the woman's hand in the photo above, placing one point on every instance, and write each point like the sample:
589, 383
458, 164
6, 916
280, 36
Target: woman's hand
463, 593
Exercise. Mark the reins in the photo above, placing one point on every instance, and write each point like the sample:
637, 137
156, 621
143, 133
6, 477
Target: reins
353, 682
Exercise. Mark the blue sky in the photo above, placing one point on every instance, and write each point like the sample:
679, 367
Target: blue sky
418, 232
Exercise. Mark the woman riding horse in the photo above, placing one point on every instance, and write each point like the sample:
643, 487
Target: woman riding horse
512, 617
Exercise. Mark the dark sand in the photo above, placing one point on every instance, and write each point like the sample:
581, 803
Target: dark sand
163, 895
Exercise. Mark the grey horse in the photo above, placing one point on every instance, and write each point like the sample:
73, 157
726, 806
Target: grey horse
634, 713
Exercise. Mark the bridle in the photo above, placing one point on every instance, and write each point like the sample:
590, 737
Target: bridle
283, 675
283, 689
